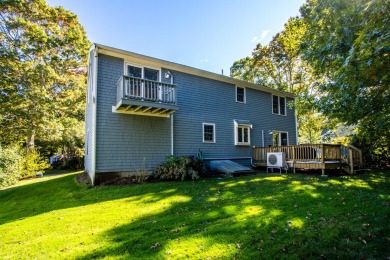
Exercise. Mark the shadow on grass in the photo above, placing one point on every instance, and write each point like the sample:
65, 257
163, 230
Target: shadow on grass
247, 217
61, 192
257, 217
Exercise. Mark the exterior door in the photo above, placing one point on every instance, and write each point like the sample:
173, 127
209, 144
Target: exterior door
280, 138
134, 88
151, 88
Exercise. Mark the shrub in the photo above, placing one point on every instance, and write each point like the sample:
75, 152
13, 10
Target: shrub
175, 168
376, 150
10, 166
33, 164
200, 166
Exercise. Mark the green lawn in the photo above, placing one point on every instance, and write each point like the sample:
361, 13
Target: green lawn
251, 217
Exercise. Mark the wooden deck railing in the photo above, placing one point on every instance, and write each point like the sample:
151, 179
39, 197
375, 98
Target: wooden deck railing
316, 153
309, 152
145, 90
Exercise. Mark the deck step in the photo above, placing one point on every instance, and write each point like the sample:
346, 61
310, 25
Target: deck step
355, 171
347, 169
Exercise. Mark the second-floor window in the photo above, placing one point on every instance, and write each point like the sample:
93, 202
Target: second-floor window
240, 94
278, 105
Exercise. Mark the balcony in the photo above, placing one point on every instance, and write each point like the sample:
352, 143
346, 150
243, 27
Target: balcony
138, 96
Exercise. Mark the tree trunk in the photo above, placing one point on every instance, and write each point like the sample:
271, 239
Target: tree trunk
31, 139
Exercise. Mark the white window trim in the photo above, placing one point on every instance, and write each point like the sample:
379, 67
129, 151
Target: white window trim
214, 136
244, 95
142, 67
285, 105
236, 126
280, 137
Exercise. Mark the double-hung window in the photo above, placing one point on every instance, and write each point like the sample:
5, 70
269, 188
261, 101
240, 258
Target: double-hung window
242, 132
240, 95
208, 133
278, 105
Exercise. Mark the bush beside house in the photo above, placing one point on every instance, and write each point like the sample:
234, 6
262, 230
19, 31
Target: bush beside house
177, 168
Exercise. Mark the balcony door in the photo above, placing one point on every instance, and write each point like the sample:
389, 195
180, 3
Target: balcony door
134, 87
151, 87
148, 88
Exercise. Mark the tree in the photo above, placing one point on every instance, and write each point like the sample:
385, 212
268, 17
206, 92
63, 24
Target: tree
348, 45
279, 65
43, 64
243, 69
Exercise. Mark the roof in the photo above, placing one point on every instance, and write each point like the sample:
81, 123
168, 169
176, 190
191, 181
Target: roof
243, 122
146, 60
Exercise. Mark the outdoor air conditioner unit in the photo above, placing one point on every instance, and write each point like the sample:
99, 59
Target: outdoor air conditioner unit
277, 160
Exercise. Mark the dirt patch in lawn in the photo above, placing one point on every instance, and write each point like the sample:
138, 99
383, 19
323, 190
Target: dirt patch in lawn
83, 178
134, 179
130, 180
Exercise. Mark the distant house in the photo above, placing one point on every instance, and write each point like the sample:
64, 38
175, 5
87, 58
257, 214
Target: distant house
141, 109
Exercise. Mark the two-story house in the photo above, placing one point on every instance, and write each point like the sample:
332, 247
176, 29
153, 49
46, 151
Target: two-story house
141, 109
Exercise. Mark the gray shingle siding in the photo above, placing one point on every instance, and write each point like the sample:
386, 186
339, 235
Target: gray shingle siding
126, 143
203, 100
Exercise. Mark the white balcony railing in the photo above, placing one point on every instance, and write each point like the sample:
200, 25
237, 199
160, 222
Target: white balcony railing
145, 90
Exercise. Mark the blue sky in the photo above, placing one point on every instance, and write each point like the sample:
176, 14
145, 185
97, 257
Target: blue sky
205, 34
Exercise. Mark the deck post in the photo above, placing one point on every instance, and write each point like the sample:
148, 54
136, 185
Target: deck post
323, 159
350, 157
341, 160
293, 159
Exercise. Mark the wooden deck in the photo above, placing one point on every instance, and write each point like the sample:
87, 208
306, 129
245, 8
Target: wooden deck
313, 156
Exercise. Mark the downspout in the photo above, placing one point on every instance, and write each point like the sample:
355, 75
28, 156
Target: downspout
171, 76
262, 136
171, 134
94, 109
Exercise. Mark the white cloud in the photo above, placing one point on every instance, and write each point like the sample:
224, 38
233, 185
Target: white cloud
204, 61
264, 34
257, 40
